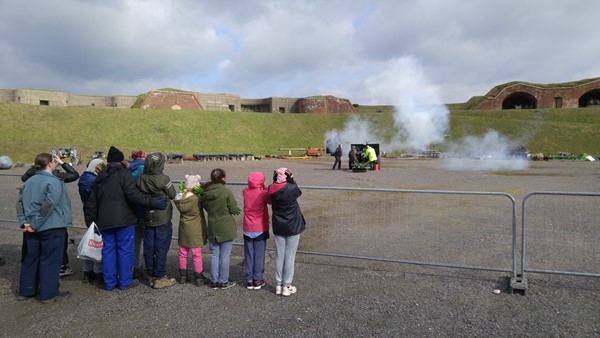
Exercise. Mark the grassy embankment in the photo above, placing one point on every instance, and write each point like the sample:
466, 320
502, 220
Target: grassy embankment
28, 130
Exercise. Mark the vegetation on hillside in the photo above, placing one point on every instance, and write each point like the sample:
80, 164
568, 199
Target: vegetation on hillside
28, 130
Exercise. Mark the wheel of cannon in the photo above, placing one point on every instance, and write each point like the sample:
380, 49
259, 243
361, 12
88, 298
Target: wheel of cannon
75, 158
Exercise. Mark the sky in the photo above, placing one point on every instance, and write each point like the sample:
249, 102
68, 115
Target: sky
296, 48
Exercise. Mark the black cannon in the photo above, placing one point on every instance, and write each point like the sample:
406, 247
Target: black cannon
66, 152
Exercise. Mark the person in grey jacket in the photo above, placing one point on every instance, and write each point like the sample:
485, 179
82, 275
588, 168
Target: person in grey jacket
44, 213
158, 229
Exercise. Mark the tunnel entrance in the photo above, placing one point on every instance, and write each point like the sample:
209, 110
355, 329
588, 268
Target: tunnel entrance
519, 100
590, 99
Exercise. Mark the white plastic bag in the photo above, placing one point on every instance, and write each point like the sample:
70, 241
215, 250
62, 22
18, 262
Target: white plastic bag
91, 244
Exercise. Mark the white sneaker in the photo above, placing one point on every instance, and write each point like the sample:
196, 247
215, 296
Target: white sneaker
288, 290
278, 289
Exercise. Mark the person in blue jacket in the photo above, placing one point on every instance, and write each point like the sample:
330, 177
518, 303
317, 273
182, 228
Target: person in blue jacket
92, 270
136, 168
44, 213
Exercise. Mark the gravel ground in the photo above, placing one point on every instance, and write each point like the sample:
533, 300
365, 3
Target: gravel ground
336, 297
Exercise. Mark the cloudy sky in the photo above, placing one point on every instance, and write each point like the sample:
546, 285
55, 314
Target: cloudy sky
297, 48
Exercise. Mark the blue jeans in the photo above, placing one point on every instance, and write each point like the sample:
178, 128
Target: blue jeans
90, 265
285, 255
254, 257
118, 257
41, 265
139, 236
219, 261
157, 241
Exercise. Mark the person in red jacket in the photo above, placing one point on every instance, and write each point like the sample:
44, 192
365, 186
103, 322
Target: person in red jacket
256, 229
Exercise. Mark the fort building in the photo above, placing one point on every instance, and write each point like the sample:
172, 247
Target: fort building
177, 100
523, 95
512, 95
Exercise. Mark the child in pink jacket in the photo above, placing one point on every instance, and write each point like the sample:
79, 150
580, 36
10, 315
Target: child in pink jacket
256, 229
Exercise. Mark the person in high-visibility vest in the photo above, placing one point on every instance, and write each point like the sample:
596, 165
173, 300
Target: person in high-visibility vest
371, 156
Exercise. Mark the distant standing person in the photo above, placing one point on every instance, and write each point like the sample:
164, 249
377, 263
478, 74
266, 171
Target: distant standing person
288, 223
256, 229
220, 205
338, 157
69, 175
136, 168
112, 206
352, 158
44, 213
158, 227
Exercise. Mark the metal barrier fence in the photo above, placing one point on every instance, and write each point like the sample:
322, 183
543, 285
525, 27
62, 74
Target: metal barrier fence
561, 233
456, 229
470, 230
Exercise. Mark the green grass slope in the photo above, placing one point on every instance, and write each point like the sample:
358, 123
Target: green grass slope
28, 130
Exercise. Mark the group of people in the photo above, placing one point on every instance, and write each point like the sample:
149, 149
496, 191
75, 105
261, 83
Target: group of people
354, 157
131, 203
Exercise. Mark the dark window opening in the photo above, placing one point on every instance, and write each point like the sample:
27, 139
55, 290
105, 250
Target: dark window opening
282, 109
44, 103
258, 108
231, 107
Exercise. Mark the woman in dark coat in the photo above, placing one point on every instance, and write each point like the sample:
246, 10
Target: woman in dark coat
288, 223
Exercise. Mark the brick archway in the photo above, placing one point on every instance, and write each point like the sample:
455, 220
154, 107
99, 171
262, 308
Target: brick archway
590, 99
519, 100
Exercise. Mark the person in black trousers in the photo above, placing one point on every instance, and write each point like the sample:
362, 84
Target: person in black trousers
338, 157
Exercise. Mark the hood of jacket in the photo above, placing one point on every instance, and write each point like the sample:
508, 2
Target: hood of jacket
154, 164
256, 179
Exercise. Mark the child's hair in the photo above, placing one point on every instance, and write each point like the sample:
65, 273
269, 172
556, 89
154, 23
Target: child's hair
216, 176
42, 160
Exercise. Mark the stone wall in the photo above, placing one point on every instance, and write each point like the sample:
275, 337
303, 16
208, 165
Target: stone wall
324, 105
171, 100
163, 99
62, 99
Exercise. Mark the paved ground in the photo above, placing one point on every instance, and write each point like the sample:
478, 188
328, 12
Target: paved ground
336, 297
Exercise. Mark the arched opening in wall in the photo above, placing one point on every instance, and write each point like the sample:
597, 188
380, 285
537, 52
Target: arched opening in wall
590, 99
519, 100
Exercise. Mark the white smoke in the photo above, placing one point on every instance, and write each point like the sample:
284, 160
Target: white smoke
493, 151
420, 121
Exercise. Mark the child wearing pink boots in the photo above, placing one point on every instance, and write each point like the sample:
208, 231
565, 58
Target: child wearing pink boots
192, 228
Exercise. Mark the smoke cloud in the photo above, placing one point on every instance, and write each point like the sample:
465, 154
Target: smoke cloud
420, 121
420, 118
493, 151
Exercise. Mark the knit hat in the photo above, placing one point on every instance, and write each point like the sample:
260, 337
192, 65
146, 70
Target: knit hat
114, 155
138, 153
192, 181
281, 175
